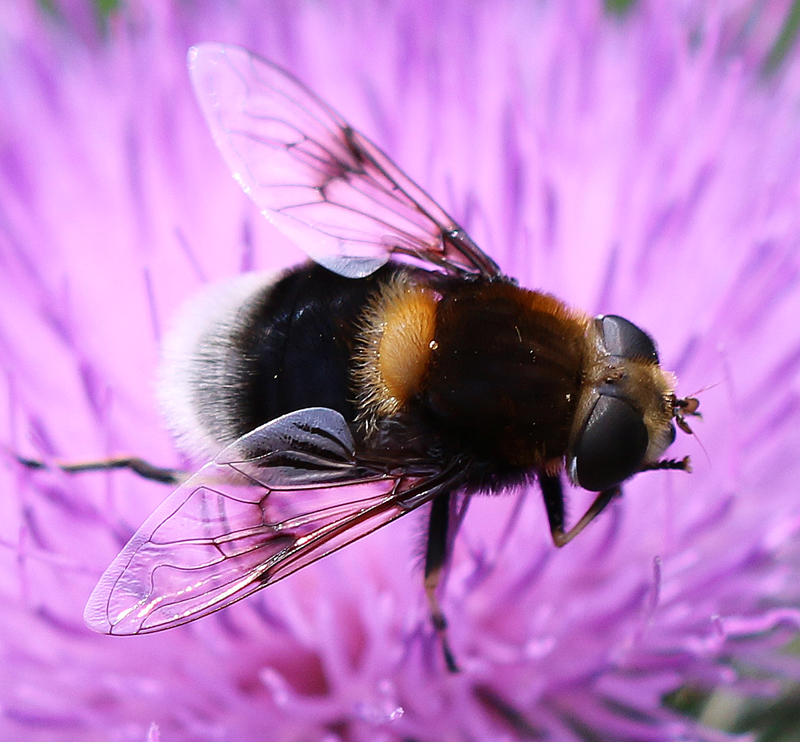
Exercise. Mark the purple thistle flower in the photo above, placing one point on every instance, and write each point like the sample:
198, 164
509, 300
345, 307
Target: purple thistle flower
638, 164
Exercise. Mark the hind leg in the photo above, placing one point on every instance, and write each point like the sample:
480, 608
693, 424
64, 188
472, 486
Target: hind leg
437, 553
139, 466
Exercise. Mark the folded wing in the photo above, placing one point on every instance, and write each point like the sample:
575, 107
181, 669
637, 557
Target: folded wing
323, 184
274, 501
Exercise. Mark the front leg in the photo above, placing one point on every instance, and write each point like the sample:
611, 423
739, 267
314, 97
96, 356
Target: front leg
553, 494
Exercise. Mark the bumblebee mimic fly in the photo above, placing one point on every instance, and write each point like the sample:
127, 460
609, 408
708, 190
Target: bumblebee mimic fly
400, 368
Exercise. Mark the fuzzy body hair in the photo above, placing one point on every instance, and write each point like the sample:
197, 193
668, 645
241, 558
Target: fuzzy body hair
202, 368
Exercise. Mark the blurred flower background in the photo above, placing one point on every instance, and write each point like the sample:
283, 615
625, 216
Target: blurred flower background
641, 159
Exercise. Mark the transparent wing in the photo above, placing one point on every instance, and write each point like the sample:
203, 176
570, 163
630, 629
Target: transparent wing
274, 501
323, 184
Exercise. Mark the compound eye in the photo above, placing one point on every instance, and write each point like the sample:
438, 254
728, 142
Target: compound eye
624, 339
612, 446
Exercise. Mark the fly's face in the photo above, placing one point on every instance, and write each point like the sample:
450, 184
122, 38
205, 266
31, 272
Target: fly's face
624, 421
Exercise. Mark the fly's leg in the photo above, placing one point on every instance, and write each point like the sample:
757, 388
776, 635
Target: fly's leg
139, 466
437, 552
554, 503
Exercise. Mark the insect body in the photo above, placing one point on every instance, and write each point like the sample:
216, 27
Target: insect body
401, 368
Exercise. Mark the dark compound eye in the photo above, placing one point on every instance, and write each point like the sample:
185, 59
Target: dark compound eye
624, 339
612, 446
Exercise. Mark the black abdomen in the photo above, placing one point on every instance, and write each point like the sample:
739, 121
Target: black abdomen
256, 348
298, 343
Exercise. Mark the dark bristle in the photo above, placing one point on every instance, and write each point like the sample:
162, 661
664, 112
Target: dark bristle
683, 464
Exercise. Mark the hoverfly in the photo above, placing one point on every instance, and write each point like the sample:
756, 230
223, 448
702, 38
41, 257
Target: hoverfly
400, 368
